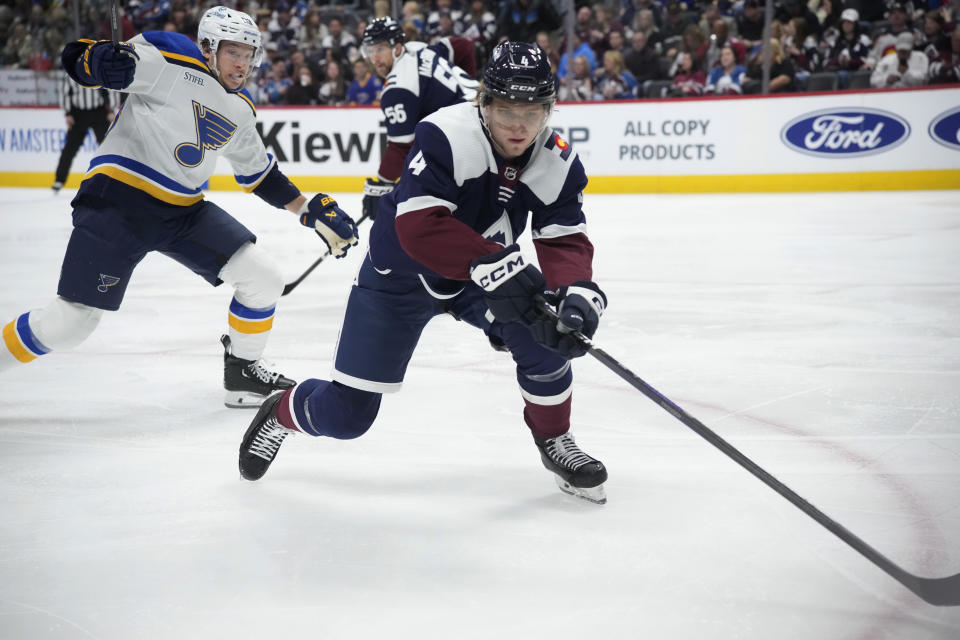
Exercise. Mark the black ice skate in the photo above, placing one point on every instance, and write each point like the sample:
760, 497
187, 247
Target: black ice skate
576, 473
248, 382
262, 440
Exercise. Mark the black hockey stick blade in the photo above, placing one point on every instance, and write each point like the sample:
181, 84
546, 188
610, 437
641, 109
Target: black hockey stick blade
290, 286
935, 591
943, 592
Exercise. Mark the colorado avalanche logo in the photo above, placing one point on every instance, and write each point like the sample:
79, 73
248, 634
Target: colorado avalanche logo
213, 131
500, 231
837, 133
945, 129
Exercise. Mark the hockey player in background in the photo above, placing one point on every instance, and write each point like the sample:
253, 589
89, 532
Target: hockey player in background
418, 80
445, 242
186, 106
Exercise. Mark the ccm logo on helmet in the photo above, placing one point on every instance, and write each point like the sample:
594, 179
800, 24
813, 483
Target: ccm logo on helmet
521, 87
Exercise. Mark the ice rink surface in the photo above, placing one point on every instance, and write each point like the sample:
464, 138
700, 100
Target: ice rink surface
818, 333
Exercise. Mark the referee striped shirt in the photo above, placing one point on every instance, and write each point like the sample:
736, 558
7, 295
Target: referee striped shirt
73, 97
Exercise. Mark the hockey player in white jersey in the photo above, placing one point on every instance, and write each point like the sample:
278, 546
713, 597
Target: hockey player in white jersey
444, 242
142, 192
418, 80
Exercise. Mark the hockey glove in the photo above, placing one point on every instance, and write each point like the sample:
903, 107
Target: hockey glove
509, 284
108, 66
373, 190
332, 224
579, 307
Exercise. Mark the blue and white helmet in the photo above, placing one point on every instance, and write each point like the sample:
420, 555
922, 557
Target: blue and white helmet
221, 24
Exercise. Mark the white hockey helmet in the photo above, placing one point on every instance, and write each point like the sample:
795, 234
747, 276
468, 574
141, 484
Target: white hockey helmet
220, 24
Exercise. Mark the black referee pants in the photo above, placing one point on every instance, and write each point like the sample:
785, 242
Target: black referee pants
83, 119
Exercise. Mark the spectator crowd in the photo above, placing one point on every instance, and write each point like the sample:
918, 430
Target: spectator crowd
621, 49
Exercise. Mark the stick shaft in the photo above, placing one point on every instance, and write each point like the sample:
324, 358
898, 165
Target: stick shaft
115, 22
290, 286
937, 591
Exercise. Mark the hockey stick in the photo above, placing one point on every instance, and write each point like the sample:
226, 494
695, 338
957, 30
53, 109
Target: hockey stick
936, 591
115, 23
290, 286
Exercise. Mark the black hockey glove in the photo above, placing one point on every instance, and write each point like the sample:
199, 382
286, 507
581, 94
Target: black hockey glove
108, 66
373, 190
332, 224
579, 307
509, 284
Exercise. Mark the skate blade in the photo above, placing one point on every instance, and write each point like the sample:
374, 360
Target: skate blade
596, 495
243, 400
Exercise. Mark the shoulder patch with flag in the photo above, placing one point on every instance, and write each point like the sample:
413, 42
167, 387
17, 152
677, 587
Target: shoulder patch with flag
559, 146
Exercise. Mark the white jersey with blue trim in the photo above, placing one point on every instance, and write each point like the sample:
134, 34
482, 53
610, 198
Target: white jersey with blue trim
176, 121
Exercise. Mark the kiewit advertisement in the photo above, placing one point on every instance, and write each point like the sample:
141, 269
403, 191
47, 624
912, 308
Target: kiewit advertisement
900, 139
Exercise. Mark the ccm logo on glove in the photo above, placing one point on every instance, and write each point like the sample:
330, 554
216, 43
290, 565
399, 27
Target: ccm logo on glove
510, 284
491, 276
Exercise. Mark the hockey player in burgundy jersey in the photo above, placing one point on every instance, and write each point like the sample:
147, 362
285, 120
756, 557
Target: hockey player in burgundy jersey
445, 242
186, 107
418, 80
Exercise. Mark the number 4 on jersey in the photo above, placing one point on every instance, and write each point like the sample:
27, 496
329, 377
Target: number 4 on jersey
418, 164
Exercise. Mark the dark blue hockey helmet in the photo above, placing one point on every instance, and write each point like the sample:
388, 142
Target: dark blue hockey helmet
383, 30
519, 72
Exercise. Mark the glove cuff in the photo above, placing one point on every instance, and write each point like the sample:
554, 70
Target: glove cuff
589, 291
84, 69
376, 187
492, 270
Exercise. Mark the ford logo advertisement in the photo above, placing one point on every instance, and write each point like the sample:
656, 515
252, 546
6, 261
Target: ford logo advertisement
945, 129
845, 132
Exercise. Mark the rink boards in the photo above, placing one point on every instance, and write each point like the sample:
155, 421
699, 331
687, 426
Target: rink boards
837, 141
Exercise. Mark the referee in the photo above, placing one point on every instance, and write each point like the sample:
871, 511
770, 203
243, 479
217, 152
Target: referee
85, 109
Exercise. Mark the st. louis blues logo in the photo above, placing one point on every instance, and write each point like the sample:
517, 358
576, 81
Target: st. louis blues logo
213, 131
106, 282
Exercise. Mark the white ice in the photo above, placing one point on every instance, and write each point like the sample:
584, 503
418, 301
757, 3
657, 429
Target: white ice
818, 333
